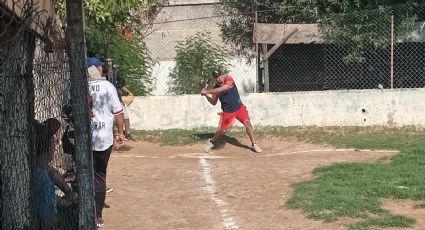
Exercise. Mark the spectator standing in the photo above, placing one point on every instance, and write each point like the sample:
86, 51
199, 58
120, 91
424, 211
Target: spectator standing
119, 82
106, 107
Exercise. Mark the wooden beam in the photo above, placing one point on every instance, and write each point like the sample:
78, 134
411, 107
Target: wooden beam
275, 47
270, 33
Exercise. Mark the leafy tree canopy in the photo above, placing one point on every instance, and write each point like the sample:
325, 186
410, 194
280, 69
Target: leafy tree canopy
132, 14
354, 22
113, 30
130, 55
196, 58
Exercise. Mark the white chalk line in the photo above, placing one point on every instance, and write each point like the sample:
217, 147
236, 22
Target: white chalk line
228, 221
212, 157
133, 156
328, 150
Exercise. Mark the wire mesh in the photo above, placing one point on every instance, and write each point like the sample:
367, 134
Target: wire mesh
377, 50
368, 49
38, 176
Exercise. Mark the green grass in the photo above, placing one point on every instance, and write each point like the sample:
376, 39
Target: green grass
179, 136
344, 189
421, 206
354, 189
384, 221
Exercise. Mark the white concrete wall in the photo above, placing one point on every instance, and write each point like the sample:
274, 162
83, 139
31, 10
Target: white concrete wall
191, 2
329, 108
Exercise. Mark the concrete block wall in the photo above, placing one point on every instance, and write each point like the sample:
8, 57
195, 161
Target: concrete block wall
392, 108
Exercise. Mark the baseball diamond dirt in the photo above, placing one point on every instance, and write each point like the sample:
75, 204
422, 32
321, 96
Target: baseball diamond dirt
179, 187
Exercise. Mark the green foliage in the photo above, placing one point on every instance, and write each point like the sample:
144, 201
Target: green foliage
361, 25
103, 17
111, 11
131, 56
237, 25
135, 64
196, 58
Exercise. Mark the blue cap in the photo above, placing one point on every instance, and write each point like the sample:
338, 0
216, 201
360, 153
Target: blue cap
93, 61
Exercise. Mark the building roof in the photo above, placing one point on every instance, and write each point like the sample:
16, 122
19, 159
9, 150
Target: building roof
312, 33
42, 11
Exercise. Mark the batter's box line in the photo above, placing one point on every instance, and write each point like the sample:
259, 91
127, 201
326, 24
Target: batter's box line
134, 156
328, 150
200, 155
228, 221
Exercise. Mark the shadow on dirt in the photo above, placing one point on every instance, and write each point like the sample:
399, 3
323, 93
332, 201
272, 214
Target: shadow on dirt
220, 143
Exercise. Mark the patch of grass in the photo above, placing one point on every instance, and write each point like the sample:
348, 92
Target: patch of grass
350, 137
179, 136
385, 221
354, 189
419, 206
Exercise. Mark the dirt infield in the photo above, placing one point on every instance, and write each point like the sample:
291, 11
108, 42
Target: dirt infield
168, 187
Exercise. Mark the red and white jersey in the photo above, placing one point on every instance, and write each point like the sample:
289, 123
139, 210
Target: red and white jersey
105, 106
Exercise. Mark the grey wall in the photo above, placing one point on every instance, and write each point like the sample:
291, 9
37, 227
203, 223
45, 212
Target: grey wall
176, 23
329, 108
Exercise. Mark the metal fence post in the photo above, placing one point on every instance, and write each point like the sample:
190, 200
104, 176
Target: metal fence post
16, 120
392, 54
266, 70
257, 57
80, 111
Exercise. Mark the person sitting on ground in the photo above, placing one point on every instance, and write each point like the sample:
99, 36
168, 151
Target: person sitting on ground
46, 177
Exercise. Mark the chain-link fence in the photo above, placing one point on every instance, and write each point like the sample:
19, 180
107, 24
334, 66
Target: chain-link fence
382, 48
385, 50
182, 42
373, 49
39, 176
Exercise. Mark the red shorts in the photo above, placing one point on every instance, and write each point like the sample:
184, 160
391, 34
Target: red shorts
227, 119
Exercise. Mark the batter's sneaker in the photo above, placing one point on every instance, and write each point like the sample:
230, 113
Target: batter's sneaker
256, 148
128, 137
209, 146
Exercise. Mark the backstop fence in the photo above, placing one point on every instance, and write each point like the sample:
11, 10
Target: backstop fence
40, 183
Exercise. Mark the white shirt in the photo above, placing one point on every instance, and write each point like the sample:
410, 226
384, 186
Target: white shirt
105, 106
